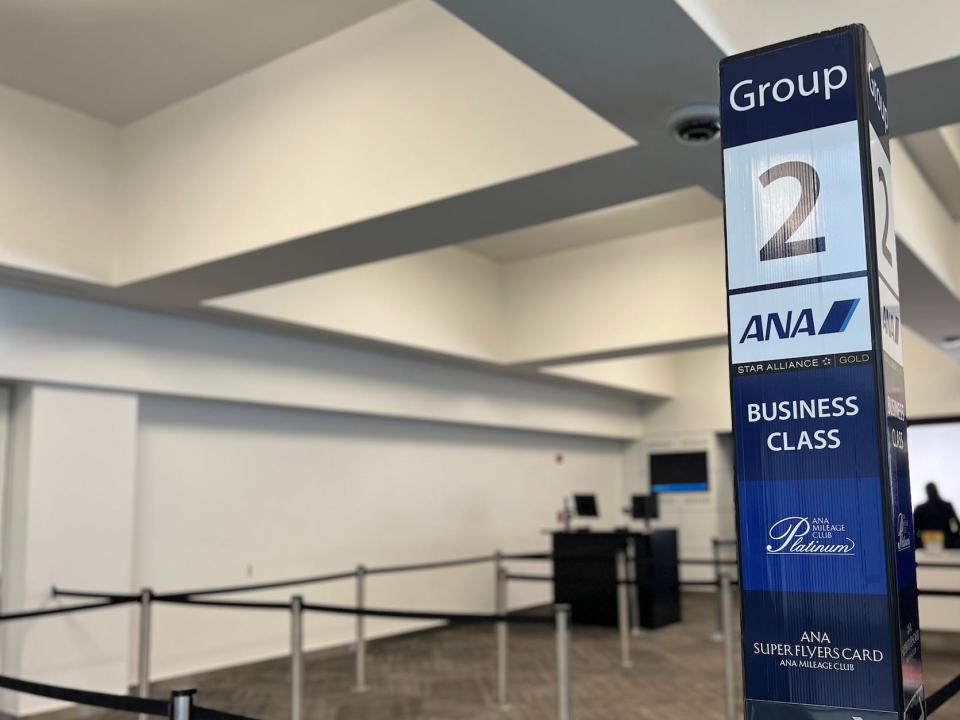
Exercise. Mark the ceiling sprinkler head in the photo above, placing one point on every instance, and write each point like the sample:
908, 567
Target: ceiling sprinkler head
695, 124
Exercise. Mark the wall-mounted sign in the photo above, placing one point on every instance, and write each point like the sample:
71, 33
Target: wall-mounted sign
823, 498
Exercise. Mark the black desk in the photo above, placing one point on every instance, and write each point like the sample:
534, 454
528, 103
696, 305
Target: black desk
585, 575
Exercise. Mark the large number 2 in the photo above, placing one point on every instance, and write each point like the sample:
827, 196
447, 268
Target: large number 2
779, 245
887, 252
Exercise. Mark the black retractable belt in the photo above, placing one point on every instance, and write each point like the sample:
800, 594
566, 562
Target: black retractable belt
941, 696
428, 615
127, 703
24, 614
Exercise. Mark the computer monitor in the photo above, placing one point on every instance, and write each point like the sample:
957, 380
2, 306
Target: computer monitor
678, 472
586, 505
644, 507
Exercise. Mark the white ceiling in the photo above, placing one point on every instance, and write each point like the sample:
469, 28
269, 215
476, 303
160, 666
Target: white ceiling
634, 218
119, 60
408, 131
907, 34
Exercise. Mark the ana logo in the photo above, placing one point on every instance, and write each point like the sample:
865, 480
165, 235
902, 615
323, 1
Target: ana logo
903, 533
804, 536
775, 325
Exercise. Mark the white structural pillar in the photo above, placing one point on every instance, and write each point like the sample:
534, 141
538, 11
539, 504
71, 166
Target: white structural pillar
68, 521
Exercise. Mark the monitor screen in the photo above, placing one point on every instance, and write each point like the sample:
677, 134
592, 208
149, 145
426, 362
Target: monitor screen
644, 507
586, 505
678, 472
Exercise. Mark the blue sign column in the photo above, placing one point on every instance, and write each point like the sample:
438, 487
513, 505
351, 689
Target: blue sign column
828, 576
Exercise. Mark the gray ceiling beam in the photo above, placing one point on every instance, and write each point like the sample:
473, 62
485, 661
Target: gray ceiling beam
633, 63
925, 97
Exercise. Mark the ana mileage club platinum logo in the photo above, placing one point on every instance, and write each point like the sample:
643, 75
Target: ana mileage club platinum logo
809, 536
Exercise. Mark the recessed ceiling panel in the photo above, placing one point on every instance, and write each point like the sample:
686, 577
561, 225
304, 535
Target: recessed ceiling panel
119, 60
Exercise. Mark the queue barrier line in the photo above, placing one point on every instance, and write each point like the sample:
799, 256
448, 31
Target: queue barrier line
628, 583
109, 701
597, 556
126, 703
528, 577
453, 617
267, 585
429, 615
291, 582
473, 560
385, 569
235, 604
941, 696
40, 612
117, 597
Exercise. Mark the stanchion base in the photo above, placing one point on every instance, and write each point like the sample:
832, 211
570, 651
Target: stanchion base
360, 688
716, 637
639, 632
505, 708
626, 666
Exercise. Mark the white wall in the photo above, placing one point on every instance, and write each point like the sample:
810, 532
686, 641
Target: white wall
68, 521
57, 340
224, 487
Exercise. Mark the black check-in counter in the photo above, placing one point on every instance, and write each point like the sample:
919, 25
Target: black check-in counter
585, 575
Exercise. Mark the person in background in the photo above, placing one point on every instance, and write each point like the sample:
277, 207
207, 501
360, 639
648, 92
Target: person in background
936, 514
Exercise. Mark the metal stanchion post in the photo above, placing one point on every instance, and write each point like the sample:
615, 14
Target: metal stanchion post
360, 649
296, 657
501, 630
143, 655
717, 635
623, 609
181, 704
726, 604
562, 614
634, 593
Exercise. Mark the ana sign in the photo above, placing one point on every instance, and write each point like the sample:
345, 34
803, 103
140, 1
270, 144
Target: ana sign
823, 497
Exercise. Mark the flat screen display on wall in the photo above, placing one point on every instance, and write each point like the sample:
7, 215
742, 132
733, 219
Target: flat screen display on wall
678, 472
